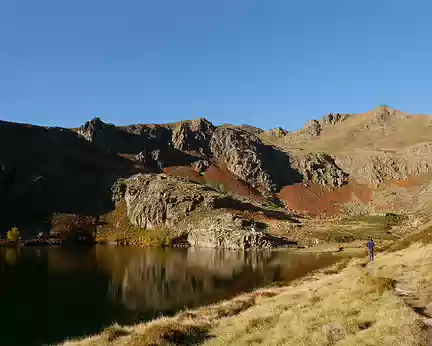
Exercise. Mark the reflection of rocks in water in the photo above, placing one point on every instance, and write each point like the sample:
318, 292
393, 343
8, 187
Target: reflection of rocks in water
11, 255
293, 266
165, 280
76, 259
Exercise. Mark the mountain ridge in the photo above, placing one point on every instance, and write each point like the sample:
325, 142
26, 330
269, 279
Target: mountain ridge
55, 170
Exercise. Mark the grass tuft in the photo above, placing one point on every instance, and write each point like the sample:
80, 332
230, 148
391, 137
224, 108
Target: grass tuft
113, 333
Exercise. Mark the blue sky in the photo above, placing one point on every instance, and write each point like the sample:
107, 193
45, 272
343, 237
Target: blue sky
266, 63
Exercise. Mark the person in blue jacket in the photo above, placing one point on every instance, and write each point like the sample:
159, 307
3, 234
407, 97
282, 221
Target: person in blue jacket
371, 249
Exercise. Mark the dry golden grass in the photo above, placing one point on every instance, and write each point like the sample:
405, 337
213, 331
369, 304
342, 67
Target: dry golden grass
351, 303
353, 134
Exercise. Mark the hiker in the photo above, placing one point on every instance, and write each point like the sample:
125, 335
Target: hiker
371, 249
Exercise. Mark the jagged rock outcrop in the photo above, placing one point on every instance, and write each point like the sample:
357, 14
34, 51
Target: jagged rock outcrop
248, 128
382, 118
334, 118
155, 201
277, 132
127, 139
193, 136
241, 153
91, 128
160, 200
319, 168
267, 168
312, 129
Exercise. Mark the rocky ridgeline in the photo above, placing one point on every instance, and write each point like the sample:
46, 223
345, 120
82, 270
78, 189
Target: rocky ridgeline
55, 170
376, 120
198, 143
159, 201
312, 129
193, 136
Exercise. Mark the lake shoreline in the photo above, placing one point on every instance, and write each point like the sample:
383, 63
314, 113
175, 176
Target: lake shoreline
128, 284
320, 306
324, 248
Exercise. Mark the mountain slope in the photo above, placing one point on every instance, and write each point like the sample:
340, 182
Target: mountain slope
343, 164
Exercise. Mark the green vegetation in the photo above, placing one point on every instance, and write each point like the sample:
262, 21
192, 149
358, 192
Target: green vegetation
116, 227
362, 227
14, 235
222, 188
382, 221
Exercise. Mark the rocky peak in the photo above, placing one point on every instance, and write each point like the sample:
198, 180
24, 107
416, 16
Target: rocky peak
91, 127
264, 167
277, 132
313, 128
193, 136
240, 152
382, 118
248, 128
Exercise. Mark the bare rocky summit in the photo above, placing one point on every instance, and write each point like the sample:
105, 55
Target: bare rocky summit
193, 136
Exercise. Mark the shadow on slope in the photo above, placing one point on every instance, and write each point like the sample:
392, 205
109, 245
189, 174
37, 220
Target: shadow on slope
45, 170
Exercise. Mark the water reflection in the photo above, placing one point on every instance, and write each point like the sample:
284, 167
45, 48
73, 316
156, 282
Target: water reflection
166, 281
55, 293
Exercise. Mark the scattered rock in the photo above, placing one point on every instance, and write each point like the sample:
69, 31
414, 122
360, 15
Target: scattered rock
200, 165
150, 158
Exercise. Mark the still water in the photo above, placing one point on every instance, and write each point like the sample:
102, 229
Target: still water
50, 294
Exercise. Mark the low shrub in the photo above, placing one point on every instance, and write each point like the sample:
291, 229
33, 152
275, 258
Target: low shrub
14, 235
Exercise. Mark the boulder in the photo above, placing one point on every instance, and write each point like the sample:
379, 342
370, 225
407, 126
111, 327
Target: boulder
154, 200
228, 231
161, 201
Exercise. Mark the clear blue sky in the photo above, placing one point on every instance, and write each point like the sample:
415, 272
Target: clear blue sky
266, 63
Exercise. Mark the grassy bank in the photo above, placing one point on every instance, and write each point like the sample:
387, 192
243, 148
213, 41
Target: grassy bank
352, 303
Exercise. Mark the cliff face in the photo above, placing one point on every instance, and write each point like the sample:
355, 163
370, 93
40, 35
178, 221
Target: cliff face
55, 170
